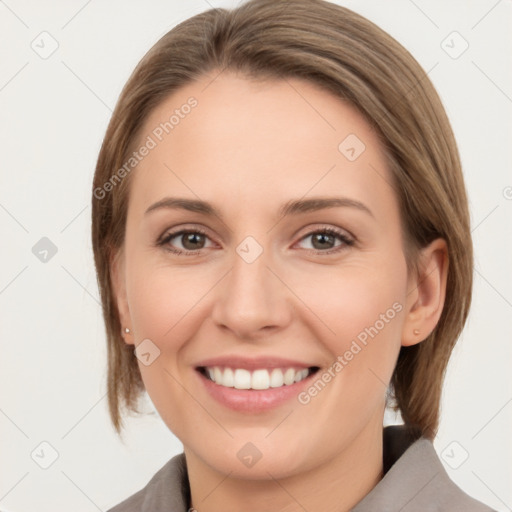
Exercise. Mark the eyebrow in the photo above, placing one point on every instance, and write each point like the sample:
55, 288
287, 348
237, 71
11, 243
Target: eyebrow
292, 207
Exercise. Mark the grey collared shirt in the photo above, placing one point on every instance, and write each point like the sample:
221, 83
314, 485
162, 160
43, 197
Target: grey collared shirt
414, 480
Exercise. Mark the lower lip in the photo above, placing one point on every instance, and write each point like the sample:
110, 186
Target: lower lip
253, 400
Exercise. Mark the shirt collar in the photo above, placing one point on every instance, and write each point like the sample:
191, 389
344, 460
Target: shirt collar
414, 478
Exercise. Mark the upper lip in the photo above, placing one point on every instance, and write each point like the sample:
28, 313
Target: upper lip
252, 363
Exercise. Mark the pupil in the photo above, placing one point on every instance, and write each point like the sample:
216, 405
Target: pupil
322, 238
192, 237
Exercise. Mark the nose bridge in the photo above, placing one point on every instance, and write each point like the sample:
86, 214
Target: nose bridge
251, 297
250, 273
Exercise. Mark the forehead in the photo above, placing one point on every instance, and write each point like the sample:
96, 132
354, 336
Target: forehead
226, 137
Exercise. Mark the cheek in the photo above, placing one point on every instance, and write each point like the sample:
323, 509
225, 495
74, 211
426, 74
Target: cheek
361, 312
348, 300
164, 308
167, 307
161, 299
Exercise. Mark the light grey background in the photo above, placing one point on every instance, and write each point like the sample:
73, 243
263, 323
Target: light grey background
54, 112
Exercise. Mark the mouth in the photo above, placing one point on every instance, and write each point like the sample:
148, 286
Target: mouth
259, 379
253, 385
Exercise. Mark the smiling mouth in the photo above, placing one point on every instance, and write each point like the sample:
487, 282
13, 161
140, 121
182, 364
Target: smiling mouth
259, 379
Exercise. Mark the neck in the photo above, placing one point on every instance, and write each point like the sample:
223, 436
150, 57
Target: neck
336, 485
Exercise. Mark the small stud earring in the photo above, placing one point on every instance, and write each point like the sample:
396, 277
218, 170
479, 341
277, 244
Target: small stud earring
126, 330
416, 332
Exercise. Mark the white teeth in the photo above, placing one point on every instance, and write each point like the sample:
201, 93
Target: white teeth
276, 378
301, 375
217, 374
289, 376
240, 378
260, 379
228, 378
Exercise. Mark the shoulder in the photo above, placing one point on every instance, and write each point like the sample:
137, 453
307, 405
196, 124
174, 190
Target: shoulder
441, 491
416, 480
167, 490
130, 504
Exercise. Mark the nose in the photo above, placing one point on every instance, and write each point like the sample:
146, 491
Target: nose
252, 300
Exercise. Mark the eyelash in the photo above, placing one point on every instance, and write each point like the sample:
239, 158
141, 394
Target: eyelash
347, 242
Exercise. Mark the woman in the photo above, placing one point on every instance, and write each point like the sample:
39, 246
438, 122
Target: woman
281, 235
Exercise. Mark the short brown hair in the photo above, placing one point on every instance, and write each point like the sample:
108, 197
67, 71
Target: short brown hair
349, 56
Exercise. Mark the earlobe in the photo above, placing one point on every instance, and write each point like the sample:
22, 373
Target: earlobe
117, 272
427, 292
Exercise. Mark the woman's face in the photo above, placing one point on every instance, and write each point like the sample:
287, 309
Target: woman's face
259, 298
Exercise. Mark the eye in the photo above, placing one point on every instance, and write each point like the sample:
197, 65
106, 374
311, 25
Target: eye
324, 240
191, 240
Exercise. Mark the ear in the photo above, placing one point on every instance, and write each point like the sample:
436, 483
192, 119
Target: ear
426, 293
118, 281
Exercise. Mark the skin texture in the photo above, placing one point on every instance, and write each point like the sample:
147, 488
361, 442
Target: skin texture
248, 147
